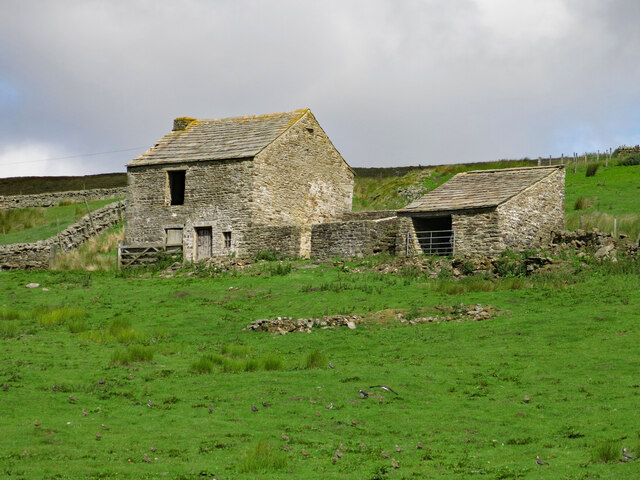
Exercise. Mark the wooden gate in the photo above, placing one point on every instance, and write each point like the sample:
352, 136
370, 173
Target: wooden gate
203, 242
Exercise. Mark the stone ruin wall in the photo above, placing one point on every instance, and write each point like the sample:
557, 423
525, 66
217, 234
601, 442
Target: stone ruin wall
52, 199
41, 254
528, 219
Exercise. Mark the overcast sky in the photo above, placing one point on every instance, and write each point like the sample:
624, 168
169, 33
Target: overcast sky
392, 82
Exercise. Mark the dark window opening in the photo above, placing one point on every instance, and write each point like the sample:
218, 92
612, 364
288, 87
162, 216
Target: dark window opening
227, 239
176, 186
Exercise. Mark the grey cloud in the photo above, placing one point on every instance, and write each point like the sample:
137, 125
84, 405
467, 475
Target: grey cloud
392, 83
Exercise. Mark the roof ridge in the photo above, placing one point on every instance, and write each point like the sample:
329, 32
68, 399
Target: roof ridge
299, 113
512, 169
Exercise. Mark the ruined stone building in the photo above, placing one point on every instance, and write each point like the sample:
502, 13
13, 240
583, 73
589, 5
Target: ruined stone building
485, 212
237, 186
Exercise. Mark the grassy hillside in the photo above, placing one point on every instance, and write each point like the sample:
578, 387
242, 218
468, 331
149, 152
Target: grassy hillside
30, 185
612, 193
32, 224
150, 377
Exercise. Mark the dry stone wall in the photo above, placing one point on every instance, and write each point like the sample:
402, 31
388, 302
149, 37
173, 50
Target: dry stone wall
354, 238
39, 255
54, 198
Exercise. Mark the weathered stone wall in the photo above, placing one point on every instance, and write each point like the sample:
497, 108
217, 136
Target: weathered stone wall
301, 178
528, 219
54, 198
284, 240
353, 238
477, 233
217, 195
40, 255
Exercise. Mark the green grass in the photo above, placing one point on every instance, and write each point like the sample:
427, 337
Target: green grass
612, 193
554, 375
51, 221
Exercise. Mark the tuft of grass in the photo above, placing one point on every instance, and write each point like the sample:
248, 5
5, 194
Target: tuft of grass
272, 362
629, 161
240, 362
605, 451
134, 353
315, 359
8, 313
77, 326
268, 255
122, 331
18, 219
235, 351
8, 329
628, 224
204, 364
49, 317
97, 254
583, 203
263, 456
592, 168
279, 268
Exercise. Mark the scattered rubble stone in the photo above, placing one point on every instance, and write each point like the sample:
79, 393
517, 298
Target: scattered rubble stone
32, 285
459, 313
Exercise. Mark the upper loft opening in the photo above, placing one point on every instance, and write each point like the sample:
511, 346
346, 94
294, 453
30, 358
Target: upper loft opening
176, 186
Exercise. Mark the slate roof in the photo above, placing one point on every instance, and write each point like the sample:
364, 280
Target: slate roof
478, 189
220, 139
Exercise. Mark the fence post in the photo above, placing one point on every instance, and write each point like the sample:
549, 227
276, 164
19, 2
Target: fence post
90, 219
539, 161
407, 245
615, 228
52, 255
119, 264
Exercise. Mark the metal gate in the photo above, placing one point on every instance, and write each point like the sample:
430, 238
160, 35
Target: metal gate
435, 242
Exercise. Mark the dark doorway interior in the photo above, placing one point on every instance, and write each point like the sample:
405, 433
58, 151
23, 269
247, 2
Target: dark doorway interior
434, 234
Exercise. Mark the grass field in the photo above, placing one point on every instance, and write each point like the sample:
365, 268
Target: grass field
24, 225
133, 375
555, 374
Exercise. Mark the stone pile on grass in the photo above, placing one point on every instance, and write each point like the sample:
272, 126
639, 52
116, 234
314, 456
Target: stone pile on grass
440, 313
603, 245
284, 325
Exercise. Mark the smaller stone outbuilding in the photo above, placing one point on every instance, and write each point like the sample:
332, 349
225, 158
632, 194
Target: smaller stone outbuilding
484, 212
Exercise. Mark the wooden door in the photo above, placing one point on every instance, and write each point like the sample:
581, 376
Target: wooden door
203, 242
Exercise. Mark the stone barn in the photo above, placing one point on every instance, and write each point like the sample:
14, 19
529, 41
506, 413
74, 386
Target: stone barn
237, 186
485, 212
